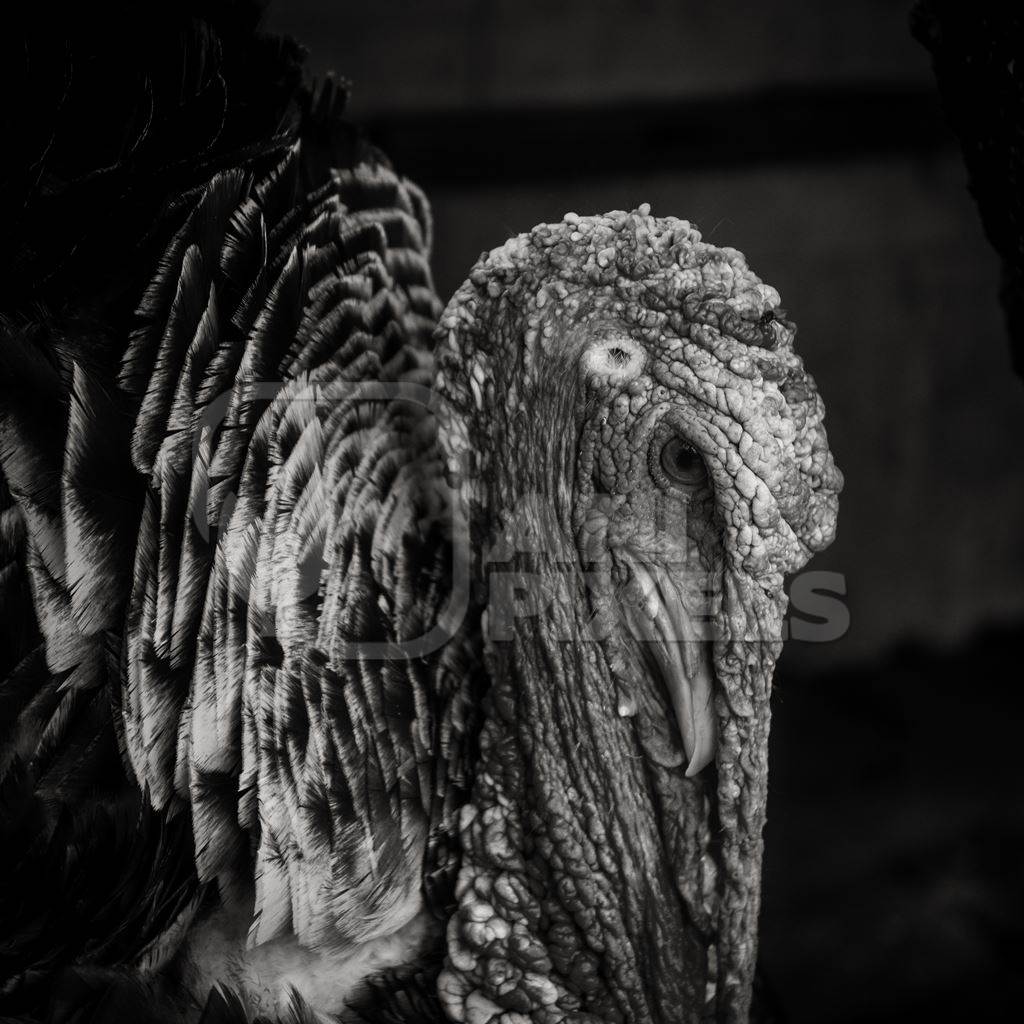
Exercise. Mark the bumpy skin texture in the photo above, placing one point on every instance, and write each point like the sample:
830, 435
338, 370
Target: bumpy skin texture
598, 883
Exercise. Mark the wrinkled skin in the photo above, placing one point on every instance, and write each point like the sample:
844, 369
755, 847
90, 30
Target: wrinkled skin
624, 400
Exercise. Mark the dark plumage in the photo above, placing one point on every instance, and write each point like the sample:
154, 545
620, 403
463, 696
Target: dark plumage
186, 143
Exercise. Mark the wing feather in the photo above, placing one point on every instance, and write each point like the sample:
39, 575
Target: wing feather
284, 511
309, 506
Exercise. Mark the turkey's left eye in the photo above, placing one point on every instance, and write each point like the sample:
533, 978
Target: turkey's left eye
681, 464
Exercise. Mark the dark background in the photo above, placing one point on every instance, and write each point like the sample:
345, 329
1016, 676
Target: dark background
810, 136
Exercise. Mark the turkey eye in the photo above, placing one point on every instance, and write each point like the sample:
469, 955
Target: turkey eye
682, 464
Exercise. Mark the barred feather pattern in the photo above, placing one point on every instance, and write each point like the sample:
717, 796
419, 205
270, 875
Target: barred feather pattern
294, 512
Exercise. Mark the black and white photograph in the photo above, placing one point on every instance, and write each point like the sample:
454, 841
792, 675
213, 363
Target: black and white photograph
511, 512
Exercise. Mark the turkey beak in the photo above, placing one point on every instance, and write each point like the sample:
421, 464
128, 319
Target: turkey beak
676, 642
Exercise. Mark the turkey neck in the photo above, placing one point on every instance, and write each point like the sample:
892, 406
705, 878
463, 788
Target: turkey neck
580, 892
576, 844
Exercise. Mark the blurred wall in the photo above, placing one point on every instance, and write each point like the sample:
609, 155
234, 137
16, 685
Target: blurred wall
879, 255
447, 54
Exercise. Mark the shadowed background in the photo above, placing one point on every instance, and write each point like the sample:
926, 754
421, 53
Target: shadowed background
811, 137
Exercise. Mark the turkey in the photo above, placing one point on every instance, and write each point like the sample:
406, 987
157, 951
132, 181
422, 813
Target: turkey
368, 658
